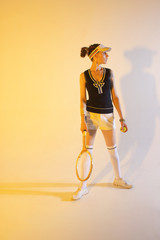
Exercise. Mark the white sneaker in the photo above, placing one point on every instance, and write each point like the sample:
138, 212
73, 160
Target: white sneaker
121, 183
79, 193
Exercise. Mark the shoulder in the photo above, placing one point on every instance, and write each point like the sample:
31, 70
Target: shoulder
108, 70
110, 76
83, 75
109, 73
82, 78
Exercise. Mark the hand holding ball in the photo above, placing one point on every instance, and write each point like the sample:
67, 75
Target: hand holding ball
124, 129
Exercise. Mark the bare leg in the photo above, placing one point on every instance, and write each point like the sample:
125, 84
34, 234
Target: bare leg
110, 139
109, 136
90, 137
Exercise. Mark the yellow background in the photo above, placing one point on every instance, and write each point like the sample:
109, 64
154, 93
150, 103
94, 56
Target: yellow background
40, 64
40, 67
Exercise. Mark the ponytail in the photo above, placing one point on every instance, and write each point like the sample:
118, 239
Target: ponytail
88, 50
84, 52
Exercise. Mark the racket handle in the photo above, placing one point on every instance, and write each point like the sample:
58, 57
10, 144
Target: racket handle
84, 139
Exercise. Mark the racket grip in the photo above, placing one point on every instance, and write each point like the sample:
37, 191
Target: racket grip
84, 139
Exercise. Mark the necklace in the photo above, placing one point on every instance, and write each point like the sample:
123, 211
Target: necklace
98, 84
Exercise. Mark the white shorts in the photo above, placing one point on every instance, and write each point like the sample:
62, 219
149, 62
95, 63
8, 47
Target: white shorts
102, 121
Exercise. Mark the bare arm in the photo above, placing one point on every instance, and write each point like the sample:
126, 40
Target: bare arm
82, 94
83, 101
116, 101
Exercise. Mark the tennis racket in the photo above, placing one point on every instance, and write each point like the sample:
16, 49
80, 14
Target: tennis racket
84, 154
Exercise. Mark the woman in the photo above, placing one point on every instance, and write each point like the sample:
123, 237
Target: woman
97, 111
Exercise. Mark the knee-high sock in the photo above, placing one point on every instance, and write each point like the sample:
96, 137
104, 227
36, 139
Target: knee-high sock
114, 157
85, 166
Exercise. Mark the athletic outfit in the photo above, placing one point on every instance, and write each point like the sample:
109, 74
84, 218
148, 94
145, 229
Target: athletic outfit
99, 92
99, 107
99, 114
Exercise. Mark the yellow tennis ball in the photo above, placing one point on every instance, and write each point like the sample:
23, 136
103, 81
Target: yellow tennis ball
124, 129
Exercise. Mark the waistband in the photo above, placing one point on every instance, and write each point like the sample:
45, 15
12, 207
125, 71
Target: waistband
99, 110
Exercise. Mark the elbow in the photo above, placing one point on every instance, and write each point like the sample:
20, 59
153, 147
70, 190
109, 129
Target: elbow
115, 99
83, 101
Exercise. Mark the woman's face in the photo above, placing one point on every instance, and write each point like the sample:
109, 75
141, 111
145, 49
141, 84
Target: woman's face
101, 57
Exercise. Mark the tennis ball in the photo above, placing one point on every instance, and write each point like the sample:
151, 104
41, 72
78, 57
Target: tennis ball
123, 129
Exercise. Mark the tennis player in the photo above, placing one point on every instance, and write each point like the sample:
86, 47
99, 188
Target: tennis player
97, 111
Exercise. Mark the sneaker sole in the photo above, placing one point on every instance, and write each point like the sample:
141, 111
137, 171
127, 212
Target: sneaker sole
80, 196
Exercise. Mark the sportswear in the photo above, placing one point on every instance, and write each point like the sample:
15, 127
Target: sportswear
121, 183
99, 48
103, 121
99, 92
79, 193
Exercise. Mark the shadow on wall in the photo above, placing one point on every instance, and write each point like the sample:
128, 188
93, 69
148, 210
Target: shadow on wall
141, 104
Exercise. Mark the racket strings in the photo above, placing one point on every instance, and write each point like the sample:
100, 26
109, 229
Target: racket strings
85, 163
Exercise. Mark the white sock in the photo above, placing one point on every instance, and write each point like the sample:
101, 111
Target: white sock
114, 157
85, 166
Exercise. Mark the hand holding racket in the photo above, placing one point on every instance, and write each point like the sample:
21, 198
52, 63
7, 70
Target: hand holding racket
84, 155
83, 125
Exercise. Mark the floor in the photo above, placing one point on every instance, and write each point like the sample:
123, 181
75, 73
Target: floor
45, 211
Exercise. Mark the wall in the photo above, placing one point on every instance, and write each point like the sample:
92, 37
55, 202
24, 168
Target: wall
39, 95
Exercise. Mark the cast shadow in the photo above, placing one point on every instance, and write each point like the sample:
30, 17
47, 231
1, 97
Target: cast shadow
106, 170
106, 185
25, 189
142, 108
21, 189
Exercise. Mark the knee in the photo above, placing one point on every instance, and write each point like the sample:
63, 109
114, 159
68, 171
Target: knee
112, 147
89, 147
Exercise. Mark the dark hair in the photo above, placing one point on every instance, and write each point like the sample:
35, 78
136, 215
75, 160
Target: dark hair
87, 51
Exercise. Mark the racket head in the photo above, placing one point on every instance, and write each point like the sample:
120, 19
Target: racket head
78, 163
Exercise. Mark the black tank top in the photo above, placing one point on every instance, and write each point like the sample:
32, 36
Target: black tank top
99, 92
